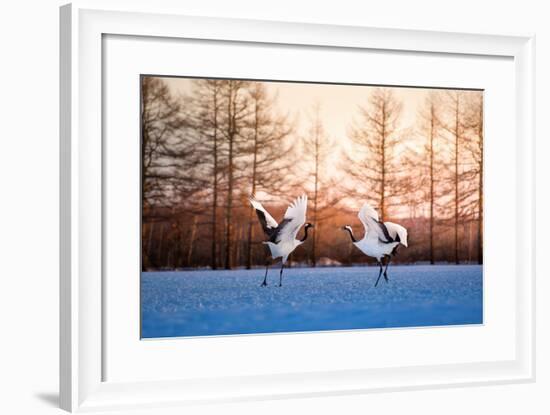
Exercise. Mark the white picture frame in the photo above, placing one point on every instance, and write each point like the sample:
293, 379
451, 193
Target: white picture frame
84, 26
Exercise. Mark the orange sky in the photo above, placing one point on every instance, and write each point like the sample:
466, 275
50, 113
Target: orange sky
338, 102
339, 106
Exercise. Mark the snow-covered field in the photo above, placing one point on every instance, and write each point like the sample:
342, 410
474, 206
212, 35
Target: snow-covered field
199, 303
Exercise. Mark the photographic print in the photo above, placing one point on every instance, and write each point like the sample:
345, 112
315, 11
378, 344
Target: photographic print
280, 207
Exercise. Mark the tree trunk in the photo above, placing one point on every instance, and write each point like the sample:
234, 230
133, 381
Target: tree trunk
469, 241
480, 190
230, 184
229, 211
192, 241
144, 138
383, 166
456, 178
252, 190
214, 248
315, 198
159, 251
249, 239
239, 245
432, 260
150, 242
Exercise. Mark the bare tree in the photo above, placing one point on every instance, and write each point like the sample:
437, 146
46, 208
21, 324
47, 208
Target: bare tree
207, 105
236, 104
204, 152
474, 146
161, 119
455, 131
479, 154
373, 164
269, 148
429, 119
317, 147
162, 149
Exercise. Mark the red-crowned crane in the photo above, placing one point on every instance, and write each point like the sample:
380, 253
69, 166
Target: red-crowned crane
282, 236
381, 239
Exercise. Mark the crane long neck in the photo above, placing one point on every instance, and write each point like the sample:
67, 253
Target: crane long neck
305, 234
351, 235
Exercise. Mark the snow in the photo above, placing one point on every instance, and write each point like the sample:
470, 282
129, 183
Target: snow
199, 303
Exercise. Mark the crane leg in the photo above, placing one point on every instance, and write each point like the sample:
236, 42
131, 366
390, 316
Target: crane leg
267, 263
281, 275
379, 274
386, 269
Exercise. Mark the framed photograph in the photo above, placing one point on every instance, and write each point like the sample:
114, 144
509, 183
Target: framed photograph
256, 210
219, 154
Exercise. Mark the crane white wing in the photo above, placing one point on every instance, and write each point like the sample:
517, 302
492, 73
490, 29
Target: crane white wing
294, 219
366, 213
374, 229
395, 230
270, 222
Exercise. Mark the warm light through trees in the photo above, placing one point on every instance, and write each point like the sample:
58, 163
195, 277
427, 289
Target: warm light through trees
206, 150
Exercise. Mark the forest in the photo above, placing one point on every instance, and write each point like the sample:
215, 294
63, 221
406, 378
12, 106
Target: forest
204, 152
